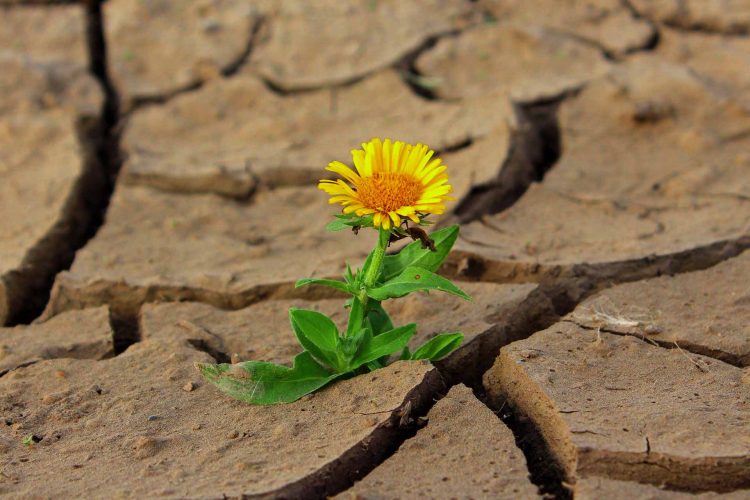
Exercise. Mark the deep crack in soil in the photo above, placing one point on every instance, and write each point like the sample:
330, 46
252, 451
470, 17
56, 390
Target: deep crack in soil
86, 206
535, 147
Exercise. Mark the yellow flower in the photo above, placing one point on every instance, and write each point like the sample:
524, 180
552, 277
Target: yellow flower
393, 180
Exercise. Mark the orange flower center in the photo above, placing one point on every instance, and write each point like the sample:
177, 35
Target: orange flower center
389, 191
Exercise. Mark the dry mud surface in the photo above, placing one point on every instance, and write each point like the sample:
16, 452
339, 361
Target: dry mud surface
158, 202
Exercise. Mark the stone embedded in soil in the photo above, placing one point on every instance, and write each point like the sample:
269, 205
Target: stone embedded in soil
45, 34
82, 334
162, 246
333, 42
43, 169
157, 48
607, 24
596, 488
526, 63
654, 162
234, 133
108, 422
617, 406
464, 451
701, 15
262, 331
707, 312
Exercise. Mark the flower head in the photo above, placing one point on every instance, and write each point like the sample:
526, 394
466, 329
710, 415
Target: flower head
394, 180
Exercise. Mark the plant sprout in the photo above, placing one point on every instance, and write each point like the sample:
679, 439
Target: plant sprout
395, 188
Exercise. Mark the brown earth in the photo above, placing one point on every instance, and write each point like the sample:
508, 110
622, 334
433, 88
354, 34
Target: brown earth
234, 134
679, 183
598, 151
84, 334
204, 247
159, 48
707, 312
168, 434
703, 15
44, 117
464, 452
606, 24
595, 488
618, 390
332, 42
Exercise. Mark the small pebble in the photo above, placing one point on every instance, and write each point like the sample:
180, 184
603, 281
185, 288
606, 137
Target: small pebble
188, 387
233, 435
197, 427
235, 358
652, 329
60, 374
151, 418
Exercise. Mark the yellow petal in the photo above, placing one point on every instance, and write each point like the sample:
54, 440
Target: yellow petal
395, 218
428, 176
344, 171
358, 157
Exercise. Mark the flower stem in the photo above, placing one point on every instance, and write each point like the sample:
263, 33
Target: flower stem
377, 257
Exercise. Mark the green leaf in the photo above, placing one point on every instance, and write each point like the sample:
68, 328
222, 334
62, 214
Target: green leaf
384, 344
348, 275
405, 354
362, 272
317, 334
413, 279
338, 285
347, 221
337, 225
414, 255
439, 346
377, 318
261, 383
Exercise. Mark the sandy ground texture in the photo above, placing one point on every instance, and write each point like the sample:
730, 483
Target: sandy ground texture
158, 202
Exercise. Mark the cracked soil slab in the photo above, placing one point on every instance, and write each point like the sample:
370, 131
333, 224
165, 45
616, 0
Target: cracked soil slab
721, 61
526, 63
160, 47
707, 312
262, 331
82, 334
182, 438
44, 172
162, 246
606, 24
464, 451
619, 407
235, 133
595, 488
332, 42
44, 34
720, 16
654, 163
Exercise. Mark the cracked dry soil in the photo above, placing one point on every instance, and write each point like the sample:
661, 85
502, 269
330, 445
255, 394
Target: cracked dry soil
158, 162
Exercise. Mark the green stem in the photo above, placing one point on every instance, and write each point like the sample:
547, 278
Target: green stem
384, 236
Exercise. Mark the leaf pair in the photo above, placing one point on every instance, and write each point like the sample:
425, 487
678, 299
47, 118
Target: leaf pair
402, 267
320, 337
327, 356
